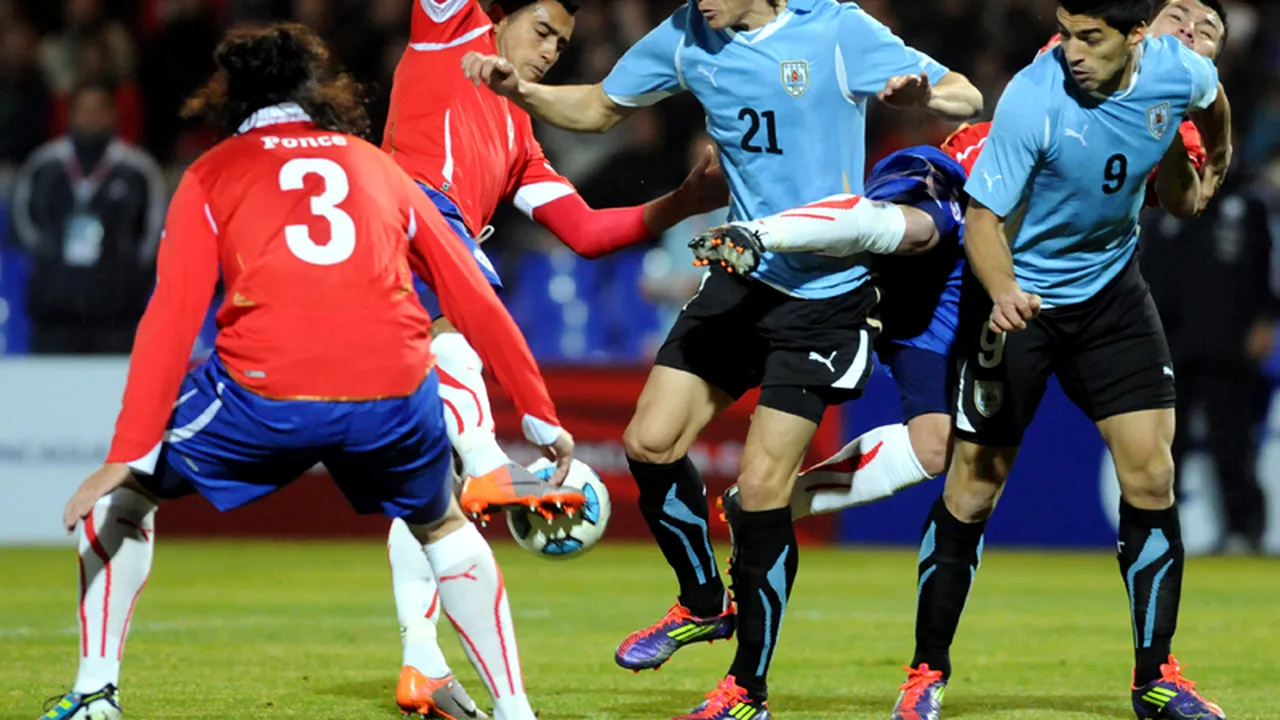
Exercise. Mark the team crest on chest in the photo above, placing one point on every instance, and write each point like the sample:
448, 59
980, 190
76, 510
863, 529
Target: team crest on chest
795, 77
1158, 120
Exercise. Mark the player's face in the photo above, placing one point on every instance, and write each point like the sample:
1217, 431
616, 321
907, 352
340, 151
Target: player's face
1097, 54
533, 37
1197, 26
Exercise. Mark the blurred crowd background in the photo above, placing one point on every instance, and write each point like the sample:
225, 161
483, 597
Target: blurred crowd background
90, 90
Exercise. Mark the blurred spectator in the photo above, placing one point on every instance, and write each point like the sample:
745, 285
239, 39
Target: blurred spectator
88, 208
25, 100
60, 53
93, 68
1211, 280
185, 38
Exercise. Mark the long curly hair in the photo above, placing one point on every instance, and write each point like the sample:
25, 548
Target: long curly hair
279, 63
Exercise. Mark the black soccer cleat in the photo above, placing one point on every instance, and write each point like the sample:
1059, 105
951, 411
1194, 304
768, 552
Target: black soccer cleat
734, 248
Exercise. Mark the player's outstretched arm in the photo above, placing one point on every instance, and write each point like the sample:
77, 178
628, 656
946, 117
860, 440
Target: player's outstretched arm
581, 108
187, 271
953, 98
987, 251
551, 200
1214, 124
470, 302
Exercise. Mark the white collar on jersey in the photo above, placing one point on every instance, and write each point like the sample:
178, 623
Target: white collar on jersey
274, 115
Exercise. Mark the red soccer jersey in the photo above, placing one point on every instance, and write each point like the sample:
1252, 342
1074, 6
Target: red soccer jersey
316, 234
469, 143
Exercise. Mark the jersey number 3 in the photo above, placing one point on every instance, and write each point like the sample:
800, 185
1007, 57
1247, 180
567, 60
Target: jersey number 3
342, 230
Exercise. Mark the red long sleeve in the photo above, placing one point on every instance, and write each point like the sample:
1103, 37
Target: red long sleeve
187, 270
592, 233
471, 304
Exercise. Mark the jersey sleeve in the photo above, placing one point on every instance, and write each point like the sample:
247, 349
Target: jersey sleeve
187, 271
868, 54
548, 198
650, 70
1204, 78
470, 302
1015, 145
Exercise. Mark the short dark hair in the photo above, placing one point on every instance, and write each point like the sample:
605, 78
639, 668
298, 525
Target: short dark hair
260, 66
1123, 15
510, 7
1218, 7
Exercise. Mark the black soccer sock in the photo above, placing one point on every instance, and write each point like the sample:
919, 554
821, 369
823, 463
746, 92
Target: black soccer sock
673, 501
763, 574
950, 553
1151, 559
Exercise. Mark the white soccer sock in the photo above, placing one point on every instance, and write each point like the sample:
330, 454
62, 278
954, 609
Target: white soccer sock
467, 415
839, 225
872, 467
117, 541
475, 601
417, 601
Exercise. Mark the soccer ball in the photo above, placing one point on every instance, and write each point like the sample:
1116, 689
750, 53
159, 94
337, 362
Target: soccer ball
564, 537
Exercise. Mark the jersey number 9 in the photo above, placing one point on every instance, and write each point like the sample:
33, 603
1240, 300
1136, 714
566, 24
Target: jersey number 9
1116, 172
342, 230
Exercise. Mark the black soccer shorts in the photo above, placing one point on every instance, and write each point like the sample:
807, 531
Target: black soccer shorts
1109, 353
737, 334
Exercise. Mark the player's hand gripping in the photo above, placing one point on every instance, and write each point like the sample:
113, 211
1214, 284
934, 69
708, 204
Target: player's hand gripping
907, 91
1012, 309
103, 480
734, 248
493, 70
561, 452
705, 188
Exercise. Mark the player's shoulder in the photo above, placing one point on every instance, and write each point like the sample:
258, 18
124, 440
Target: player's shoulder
1045, 69
681, 19
1168, 54
1039, 85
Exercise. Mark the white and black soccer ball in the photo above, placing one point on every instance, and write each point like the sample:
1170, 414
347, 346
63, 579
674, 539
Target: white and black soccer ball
564, 537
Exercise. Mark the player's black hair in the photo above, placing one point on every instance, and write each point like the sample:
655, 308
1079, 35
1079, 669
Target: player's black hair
1218, 7
278, 63
511, 6
1123, 15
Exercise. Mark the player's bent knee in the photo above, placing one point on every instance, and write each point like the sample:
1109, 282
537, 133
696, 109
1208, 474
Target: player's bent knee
650, 439
931, 441
766, 484
1147, 481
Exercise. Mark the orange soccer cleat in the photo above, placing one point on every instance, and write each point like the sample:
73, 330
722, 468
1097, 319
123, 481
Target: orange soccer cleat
434, 698
512, 486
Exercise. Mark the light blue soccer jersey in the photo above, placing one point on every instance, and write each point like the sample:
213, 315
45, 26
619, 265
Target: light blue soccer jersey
786, 104
1068, 171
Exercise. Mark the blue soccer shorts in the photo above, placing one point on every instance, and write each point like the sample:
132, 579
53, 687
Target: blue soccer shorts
453, 216
234, 447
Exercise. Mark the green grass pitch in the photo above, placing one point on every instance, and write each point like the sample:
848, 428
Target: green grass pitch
238, 630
